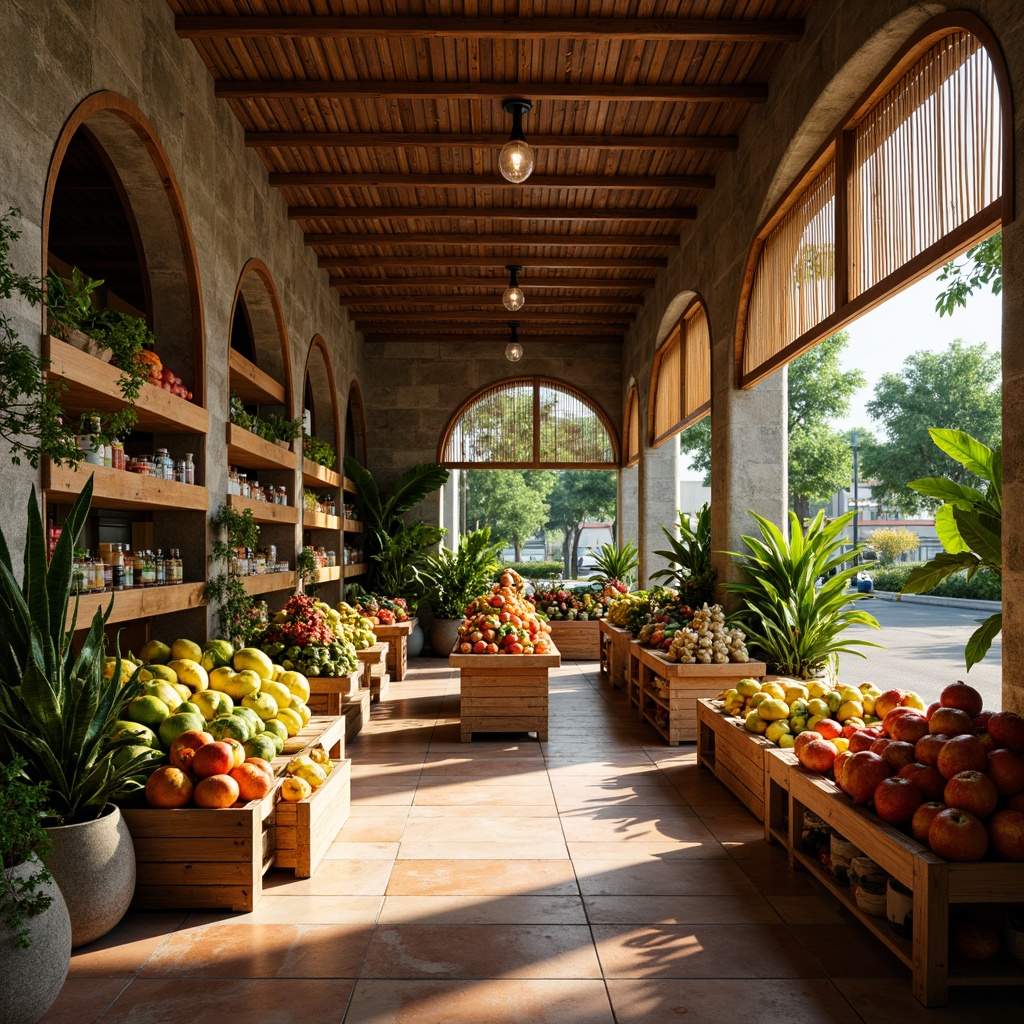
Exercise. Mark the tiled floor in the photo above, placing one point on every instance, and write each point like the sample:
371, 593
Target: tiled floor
598, 877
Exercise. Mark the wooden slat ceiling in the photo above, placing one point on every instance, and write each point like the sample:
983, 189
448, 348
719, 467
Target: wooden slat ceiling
381, 122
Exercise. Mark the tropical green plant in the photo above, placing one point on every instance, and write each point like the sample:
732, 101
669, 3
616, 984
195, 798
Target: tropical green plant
796, 626
689, 558
969, 523
69, 303
320, 452
308, 571
394, 548
22, 809
615, 564
453, 578
57, 708
270, 428
239, 618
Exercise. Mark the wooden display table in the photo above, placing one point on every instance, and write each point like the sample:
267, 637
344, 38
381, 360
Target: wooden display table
373, 664
614, 652
576, 640
397, 636
504, 692
327, 731
305, 830
686, 684
327, 693
733, 755
936, 884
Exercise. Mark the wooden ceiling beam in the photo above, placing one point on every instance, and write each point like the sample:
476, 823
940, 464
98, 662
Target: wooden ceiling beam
429, 27
533, 300
534, 284
523, 239
626, 92
570, 263
495, 337
345, 179
488, 213
496, 316
402, 140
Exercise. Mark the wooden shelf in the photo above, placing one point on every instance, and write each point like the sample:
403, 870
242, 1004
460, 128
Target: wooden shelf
115, 488
356, 569
313, 474
352, 526
265, 511
269, 582
250, 451
91, 384
348, 485
650, 720
319, 521
251, 384
139, 602
329, 574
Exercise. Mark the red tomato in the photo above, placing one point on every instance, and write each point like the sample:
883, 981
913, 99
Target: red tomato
504, 617
496, 600
516, 648
479, 647
488, 634
492, 648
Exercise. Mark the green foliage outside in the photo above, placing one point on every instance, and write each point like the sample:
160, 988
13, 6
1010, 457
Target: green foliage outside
536, 570
580, 496
891, 543
511, 502
983, 586
980, 267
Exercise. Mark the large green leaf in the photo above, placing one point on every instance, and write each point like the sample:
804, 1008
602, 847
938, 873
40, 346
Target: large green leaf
983, 534
412, 487
970, 453
948, 532
947, 490
981, 639
928, 576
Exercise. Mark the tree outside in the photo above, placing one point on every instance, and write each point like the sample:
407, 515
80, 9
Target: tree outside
580, 496
891, 543
511, 502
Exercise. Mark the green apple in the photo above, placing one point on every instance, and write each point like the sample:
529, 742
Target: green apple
147, 710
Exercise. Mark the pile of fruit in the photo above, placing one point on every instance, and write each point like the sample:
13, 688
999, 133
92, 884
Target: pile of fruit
161, 377
503, 622
782, 710
623, 608
350, 625
193, 696
304, 637
381, 611
951, 774
205, 772
570, 605
701, 637
305, 773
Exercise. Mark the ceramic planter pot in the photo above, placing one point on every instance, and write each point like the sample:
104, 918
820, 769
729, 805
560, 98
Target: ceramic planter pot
94, 864
33, 977
443, 634
414, 644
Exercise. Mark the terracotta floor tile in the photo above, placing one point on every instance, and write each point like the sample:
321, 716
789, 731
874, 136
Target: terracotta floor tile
481, 951
82, 1000
360, 829
483, 827
441, 849
571, 795
514, 769
121, 952
698, 1001
688, 910
890, 1001
258, 951
345, 849
274, 909
861, 956
277, 1001
565, 1001
492, 877
483, 910
657, 877
460, 791
369, 794
333, 878
808, 908
513, 810
648, 825
633, 850
702, 951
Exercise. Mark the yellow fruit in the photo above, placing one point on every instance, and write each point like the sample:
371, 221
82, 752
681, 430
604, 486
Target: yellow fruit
303, 711
241, 684
295, 789
320, 756
849, 693
278, 672
913, 700
191, 673
255, 661
148, 672
281, 694
156, 652
756, 699
774, 690
850, 709
297, 762
841, 743
748, 687
818, 689
795, 692
186, 649
776, 730
297, 683
312, 773
755, 723
220, 677
773, 709
263, 704
186, 693
291, 719
786, 741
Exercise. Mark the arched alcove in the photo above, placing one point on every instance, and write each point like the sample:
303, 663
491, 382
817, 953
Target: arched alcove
355, 425
320, 395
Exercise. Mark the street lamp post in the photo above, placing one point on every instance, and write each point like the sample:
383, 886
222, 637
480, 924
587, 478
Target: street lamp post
855, 440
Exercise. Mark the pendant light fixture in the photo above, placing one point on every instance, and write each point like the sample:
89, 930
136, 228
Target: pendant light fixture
513, 350
515, 161
513, 298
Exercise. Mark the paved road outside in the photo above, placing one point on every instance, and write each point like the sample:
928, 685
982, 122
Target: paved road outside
924, 650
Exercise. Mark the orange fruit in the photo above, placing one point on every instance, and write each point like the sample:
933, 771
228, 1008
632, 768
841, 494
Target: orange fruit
237, 749
253, 782
262, 764
168, 787
216, 791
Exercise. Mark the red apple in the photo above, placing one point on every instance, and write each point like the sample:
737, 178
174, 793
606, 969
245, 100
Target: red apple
931, 709
1015, 803
926, 777
973, 940
878, 747
838, 764
818, 755
829, 729
909, 728
893, 716
981, 721
1007, 729
960, 695
923, 818
950, 722
885, 702
958, 835
802, 739
184, 746
898, 754
927, 748
972, 791
862, 774
1006, 770
1006, 831
896, 800
961, 754
987, 743
861, 740
213, 759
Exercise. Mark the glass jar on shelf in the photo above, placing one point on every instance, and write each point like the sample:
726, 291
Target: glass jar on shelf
190, 469
129, 568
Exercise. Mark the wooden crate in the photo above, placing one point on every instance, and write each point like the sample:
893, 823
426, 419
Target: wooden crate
504, 692
614, 641
633, 675
202, 858
936, 885
686, 685
327, 693
305, 830
734, 756
397, 636
576, 640
373, 664
356, 710
327, 731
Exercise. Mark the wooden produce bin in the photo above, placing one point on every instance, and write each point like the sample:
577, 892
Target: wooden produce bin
373, 665
733, 755
327, 731
327, 693
614, 656
504, 692
686, 685
356, 710
936, 885
202, 858
305, 830
576, 640
397, 637
633, 675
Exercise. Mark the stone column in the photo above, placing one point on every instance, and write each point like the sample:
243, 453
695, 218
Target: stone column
659, 503
629, 507
450, 510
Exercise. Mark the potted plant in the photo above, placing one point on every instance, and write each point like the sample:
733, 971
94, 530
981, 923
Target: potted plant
795, 626
58, 713
35, 930
689, 559
616, 565
453, 578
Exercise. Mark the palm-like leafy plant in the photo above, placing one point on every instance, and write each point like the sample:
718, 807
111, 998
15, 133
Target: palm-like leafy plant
689, 559
970, 525
453, 578
616, 564
57, 709
797, 627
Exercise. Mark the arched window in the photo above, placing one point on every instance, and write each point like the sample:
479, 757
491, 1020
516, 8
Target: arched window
918, 171
355, 425
529, 423
631, 428
681, 378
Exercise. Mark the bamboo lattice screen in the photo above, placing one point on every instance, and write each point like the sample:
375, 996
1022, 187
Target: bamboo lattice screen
666, 392
696, 365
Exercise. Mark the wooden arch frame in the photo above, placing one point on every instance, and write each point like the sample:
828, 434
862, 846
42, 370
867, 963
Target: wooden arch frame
836, 148
355, 410
678, 339
263, 311
105, 115
324, 389
631, 427
536, 383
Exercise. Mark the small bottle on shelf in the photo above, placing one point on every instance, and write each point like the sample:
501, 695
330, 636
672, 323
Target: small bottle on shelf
116, 567
117, 454
160, 568
179, 471
148, 569
175, 573
129, 568
190, 469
